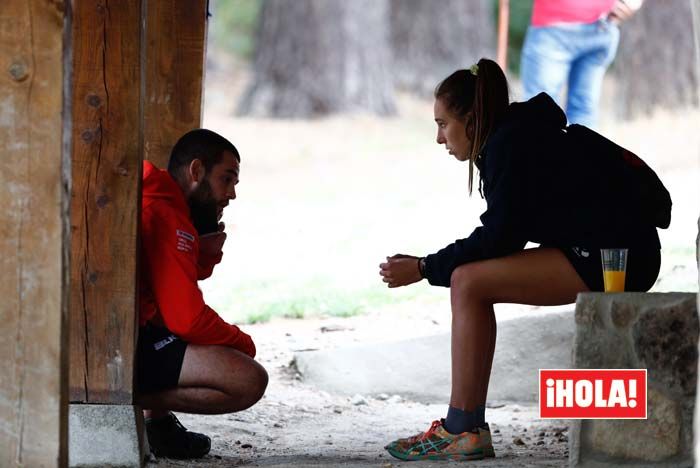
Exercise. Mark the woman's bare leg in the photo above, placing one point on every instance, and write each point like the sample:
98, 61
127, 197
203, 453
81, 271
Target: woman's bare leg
542, 276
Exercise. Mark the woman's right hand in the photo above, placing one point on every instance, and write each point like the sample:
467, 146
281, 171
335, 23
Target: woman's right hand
400, 270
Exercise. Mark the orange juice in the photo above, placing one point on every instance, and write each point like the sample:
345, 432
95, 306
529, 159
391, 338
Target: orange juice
614, 281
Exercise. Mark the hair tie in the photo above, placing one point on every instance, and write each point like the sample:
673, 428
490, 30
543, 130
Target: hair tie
474, 69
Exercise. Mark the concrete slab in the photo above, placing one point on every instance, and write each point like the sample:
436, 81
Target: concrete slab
106, 436
420, 368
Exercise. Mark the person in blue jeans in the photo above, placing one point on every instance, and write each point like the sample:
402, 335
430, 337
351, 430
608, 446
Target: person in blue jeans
572, 43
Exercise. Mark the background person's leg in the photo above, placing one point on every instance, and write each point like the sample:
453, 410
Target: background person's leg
213, 380
598, 46
544, 62
542, 276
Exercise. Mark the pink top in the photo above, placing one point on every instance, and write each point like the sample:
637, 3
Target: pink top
549, 12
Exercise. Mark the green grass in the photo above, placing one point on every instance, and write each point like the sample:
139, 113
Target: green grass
233, 25
259, 302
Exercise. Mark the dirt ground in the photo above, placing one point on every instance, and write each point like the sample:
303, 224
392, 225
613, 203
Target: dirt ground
298, 425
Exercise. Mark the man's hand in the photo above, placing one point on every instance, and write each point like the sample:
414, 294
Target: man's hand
212, 244
400, 270
210, 252
622, 10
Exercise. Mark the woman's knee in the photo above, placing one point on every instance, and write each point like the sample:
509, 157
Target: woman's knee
468, 282
465, 279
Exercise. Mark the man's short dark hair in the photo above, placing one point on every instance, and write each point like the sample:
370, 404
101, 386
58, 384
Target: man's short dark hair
202, 144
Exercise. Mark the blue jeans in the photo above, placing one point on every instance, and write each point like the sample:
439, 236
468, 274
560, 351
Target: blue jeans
575, 54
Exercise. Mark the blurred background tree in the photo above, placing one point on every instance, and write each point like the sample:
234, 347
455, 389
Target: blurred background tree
655, 64
318, 57
235, 24
415, 43
233, 30
430, 40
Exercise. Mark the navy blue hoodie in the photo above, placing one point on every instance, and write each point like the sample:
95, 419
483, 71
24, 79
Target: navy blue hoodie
541, 188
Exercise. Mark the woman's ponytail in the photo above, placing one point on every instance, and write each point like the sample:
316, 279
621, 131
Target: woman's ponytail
490, 105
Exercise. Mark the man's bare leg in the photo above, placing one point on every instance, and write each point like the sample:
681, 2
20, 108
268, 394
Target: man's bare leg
213, 380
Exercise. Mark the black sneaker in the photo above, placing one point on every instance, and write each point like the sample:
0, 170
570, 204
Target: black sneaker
169, 438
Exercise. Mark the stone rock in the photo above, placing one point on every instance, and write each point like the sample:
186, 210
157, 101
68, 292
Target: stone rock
622, 314
655, 438
587, 312
666, 342
358, 400
590, 340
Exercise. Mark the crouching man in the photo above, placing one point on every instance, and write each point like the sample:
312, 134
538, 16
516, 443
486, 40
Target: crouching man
188, 358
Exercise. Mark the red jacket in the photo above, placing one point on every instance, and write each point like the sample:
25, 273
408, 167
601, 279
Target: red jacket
171, 266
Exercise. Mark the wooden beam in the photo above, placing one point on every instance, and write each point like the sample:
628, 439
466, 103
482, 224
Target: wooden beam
107, 157
503, 25
176, 33
33, 235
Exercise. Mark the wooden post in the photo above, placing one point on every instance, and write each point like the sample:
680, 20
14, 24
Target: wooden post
503, 20
176, 33
107, 157
33, 233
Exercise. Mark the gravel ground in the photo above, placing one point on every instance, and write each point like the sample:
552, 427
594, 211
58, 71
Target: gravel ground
298, 425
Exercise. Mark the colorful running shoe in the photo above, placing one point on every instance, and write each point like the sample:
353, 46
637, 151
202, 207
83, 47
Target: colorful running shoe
438, 444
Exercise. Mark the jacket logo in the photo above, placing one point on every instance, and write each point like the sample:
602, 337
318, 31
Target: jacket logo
581, 252
185, 240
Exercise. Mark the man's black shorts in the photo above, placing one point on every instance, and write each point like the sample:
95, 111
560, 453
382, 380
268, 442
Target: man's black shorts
159, 357
642, 267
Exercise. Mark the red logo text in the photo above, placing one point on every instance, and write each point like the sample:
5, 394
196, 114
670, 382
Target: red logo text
593, 393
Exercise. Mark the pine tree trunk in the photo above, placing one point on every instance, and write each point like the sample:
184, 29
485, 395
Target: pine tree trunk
317, 57
655, 64
430, 40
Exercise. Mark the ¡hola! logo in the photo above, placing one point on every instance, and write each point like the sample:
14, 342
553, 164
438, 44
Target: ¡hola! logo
593, 393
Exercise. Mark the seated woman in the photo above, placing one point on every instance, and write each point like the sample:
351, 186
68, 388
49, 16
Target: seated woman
568, 189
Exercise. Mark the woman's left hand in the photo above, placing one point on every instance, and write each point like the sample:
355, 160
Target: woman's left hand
400, 270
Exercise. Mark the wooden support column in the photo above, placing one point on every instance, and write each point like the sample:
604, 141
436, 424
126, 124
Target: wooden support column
107, 156
33, 234
176, 33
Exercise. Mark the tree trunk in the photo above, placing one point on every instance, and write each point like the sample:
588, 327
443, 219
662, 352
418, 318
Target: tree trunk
430, 40
317, 57
655, 64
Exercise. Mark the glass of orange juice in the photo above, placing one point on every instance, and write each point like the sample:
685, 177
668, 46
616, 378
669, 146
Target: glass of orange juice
614, 267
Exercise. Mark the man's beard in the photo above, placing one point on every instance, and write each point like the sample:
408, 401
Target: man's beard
204, 209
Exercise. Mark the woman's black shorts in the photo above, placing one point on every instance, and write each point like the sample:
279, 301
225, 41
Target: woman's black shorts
159, 357
642, 267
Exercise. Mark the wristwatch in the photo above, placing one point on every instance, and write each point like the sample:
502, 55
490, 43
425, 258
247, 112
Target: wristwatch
421, 267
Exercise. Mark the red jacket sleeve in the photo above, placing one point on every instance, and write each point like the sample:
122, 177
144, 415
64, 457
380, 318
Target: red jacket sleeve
170, 249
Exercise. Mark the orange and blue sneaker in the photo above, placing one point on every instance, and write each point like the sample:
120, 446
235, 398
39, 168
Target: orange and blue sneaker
438, 444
